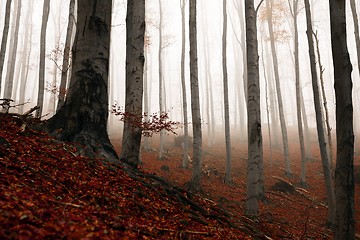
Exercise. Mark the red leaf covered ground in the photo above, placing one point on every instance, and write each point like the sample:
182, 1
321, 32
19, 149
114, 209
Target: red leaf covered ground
47, 191
290, 215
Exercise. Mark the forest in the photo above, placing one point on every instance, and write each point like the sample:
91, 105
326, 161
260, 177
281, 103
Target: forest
179, 119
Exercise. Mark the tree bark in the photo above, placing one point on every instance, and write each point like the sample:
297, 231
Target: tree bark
12, 56
344, 172
4, 38
319, 121
226, 98
185, 160
295, 12
278, 88
135, 30
66, 58
254, 186
45, 17
83, 117
195, 103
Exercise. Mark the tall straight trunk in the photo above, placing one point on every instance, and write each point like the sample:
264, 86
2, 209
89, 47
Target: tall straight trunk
195, 103
66, 58
269, 4
146, 144
135, 32
4, 38
319, 121
226, 98
327, 120
45, 17
356, 31
25, 61
306, 128
344, 172
254, 186
9, 81
161, 82
185, 161
295, 12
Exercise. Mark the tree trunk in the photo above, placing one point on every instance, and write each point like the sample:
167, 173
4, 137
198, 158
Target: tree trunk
226, 98
356, 31
45, 17
185, 161
4, 38
195, 103
9, 81
161, 82
295, 13
319, 121
327, 121
66, 58
344, 172
83, 117
254, 186
135, 29
26, 57
278, 89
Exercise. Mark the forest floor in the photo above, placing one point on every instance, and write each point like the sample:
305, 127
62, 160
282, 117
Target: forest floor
49, 191
292, 211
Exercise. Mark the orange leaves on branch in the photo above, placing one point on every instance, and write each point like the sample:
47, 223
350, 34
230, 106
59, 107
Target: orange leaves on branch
148, 123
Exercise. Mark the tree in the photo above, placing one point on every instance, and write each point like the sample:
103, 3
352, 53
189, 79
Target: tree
269, 7
195, 103
66, 57
45, 17
294, 13
319, 120
161, 81
185, 161
83, 117
9, 81
344, 172
254, 185
356, 30
4, 38
135, 33
226, 97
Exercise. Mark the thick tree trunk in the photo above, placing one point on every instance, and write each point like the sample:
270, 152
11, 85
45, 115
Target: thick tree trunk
12, 56
344, 172
83, 117
278, 89
4, 38
66, 58
254, 186
45, 17
195, 103
226, 98
185, 160
135, 32
319, 121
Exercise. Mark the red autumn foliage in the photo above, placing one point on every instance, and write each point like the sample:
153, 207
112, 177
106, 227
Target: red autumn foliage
148, 123
48, 191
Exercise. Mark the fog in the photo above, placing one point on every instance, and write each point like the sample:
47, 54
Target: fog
210, 33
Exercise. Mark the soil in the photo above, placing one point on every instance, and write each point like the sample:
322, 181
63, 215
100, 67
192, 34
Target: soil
292, 210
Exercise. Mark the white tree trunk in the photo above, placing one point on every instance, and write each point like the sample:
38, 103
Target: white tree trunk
195, 103
4, 38
135, 32
45, 17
